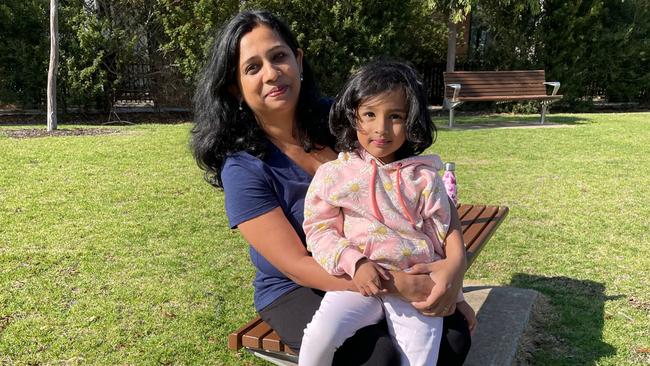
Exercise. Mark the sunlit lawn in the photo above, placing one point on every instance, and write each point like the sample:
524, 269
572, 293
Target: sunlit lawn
113, 250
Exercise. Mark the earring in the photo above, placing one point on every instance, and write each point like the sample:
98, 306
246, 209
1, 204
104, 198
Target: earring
301, 78
240, 107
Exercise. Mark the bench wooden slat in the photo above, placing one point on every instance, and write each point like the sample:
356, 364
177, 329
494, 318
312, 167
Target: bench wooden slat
512, 98
486, 233
469, 92
286, 348
536, 81
478, 224
254, 337
471, 213
462, 211
496, 74
495, 81
235, 338
514, 89
272, 342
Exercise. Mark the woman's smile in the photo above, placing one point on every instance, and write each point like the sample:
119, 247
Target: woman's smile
277, 91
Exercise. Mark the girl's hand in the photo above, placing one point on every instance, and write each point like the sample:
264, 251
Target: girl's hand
447, 279
368, 276
469, 314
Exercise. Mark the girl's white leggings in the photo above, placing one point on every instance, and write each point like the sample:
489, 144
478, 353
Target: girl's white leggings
342, 313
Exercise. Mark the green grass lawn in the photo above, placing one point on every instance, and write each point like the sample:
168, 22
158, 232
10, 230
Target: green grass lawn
113, 250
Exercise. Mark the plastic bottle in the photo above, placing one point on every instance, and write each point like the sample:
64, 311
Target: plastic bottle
449, 179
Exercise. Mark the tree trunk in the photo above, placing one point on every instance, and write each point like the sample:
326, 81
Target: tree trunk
451, 45
54, 60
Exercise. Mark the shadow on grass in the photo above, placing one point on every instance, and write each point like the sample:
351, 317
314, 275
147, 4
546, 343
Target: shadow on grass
569, 331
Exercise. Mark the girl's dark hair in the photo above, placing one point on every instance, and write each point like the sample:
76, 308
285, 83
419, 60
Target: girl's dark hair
220, 128
372, 80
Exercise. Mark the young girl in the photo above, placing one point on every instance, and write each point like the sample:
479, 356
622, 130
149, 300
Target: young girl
378, 207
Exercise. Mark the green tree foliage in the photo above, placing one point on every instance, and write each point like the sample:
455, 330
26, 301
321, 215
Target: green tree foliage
591, 46
101, 38
189, 28
594, 47
339, 36
24, 41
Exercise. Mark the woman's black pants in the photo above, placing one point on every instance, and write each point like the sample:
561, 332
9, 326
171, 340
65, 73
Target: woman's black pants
290, 314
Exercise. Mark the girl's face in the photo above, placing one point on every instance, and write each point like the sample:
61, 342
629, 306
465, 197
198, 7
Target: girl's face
381, 124
268, 72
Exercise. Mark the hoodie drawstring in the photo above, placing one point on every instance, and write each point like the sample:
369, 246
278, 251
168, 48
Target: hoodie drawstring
400, 198
373, 196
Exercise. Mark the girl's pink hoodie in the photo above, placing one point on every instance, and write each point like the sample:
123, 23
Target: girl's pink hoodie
395, 214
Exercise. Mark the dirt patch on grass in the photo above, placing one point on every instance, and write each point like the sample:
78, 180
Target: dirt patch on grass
4, 322
535, 337
24, 133
639, 304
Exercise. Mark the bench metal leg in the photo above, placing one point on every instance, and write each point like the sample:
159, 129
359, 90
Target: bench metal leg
451, 117
451, 105
544, 107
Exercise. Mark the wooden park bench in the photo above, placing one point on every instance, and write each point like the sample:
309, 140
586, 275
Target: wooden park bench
497, 86
478, 223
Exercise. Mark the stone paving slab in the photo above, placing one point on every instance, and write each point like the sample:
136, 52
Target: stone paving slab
503, 314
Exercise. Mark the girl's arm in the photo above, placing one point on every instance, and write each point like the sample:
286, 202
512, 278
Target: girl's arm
324, 232
447, 274
273, 237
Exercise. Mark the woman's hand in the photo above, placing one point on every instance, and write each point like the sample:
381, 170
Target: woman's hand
447, 274
447, 277
411, 287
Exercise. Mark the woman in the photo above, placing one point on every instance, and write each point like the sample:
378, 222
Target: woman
260, 134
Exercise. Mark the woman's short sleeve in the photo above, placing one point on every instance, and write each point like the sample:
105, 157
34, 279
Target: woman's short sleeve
249, 193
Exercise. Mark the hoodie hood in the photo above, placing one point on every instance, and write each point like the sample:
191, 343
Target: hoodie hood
395, 167
428, 160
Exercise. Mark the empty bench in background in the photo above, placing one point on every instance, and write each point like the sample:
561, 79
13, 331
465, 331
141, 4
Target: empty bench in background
498, 86
478, 223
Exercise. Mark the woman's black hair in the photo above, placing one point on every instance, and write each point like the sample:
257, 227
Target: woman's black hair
220, 127
372, 80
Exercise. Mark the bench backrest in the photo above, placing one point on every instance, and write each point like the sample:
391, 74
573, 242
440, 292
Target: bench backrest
481, 84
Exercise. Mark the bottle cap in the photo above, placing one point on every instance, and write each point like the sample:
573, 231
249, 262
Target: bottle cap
450, 166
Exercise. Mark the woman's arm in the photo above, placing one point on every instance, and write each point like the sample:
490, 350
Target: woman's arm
447, 274
273, 237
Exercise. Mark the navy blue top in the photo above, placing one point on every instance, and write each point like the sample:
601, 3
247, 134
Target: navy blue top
254, 187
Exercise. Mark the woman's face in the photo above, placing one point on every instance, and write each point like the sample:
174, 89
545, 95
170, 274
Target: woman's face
268, 73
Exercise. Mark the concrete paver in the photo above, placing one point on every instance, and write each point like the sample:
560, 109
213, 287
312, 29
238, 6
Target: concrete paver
503, 314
